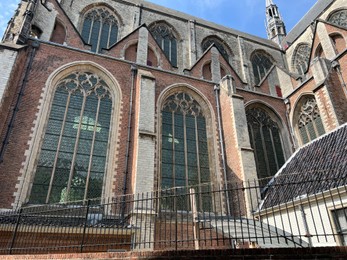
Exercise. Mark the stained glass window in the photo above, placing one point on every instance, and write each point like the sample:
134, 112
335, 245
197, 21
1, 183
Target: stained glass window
219, 45
339, 18
301, 58
185, 157
100, 29
71, 164
309, 122
166, 39
266, 141
261, 64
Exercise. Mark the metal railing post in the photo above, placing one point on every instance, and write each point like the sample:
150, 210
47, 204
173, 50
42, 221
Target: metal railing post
195, 218
15, 231
85, 225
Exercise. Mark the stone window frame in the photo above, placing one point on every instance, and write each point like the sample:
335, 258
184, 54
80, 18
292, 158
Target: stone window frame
173, 34
257, 78
221, 45
301, 58
274, 116
301, 119
211, 130
338, 17
29, 165
112, 11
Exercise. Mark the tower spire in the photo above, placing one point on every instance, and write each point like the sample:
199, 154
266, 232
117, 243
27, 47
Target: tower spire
275, 27
269, 2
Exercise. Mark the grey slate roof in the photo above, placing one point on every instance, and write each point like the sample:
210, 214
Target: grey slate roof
305, 22
319, 166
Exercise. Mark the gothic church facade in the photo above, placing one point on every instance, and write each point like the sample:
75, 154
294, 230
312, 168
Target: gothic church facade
105, 98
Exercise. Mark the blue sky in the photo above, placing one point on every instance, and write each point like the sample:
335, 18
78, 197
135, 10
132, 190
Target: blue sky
244, 15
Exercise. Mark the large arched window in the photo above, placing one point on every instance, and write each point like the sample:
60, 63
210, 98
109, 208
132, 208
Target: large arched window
219, 45
100, 28
301, 58
339, 18
185, 157
266, 141
309, 122
71, 163
166, 39
261, 63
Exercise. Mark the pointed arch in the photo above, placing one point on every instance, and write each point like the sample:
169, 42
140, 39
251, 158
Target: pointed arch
76, 134
100, 26
338, 41
220, 45
167, 38
301, 58
266, 130
338, 17
307, 120
187, 150
261, 64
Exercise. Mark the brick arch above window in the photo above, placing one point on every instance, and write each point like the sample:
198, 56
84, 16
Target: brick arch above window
339, 42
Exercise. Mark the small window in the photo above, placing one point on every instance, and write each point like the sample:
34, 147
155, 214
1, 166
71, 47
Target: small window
340, 221
35, 32
279, 91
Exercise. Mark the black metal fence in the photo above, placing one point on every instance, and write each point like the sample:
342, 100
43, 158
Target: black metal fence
283, 214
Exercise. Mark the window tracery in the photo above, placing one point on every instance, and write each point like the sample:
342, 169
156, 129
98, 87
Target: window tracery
301, 58
309, 121
166, 39
261, 64
339, 18
266, 141
100, 29
72, 159
185, 157
219, 45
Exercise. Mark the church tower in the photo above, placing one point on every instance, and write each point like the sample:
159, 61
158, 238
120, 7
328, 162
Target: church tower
275, 27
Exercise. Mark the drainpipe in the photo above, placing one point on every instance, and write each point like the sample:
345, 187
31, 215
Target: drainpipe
10, 125
288, 109
221, 141
130, 114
